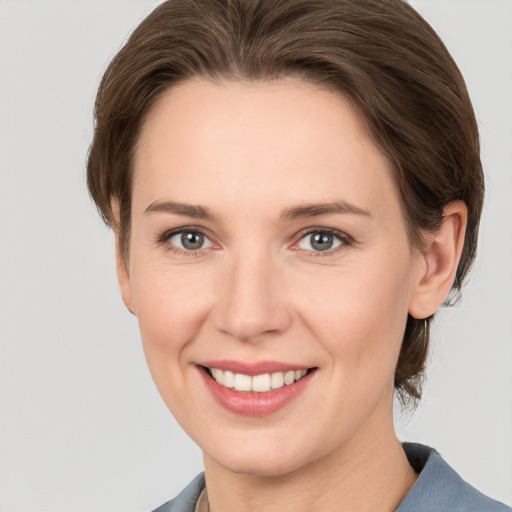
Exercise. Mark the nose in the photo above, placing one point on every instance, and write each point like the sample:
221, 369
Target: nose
252, 303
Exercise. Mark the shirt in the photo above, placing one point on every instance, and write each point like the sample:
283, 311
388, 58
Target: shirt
438, 489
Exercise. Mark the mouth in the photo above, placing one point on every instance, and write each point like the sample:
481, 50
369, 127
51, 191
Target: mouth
258, 394
262, 383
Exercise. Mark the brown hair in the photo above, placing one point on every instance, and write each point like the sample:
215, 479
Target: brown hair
379, 53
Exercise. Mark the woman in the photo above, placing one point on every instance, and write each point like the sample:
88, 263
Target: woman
295, 188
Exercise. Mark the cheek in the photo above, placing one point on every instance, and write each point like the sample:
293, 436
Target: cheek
171, 305
359, 314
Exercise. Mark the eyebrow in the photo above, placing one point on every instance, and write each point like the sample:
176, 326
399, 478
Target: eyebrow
314, 210
290, 213
190, 210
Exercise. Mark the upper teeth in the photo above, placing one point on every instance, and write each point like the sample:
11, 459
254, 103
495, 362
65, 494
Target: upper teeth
258, 383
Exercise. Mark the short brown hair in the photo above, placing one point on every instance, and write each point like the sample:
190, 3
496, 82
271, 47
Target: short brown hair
379, 53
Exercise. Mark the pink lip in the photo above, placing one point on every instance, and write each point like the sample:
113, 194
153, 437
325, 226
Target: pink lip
252, 403
253, 368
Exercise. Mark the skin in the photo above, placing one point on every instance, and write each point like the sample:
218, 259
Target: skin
257, 290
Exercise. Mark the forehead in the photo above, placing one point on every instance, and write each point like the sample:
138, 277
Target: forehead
287, 138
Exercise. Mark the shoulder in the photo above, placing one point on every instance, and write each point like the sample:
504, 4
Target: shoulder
186, 499
440, 489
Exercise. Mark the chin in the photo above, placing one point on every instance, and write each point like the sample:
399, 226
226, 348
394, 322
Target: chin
256, 459
261, 466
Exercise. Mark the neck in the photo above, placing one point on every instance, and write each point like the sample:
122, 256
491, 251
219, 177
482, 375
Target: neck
367, 473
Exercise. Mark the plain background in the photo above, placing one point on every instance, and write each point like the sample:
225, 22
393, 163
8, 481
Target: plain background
82, 427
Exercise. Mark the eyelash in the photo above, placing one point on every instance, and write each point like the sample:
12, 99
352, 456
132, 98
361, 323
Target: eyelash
163, 240
346, 240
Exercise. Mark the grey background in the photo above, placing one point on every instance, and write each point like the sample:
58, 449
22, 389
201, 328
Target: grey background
82, 427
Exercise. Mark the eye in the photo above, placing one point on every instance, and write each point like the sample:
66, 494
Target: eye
189, 240
320, 241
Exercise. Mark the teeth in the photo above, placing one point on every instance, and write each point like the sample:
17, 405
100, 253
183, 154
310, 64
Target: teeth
261, 383
229, 379
277, 380
258, 383
289, 378
242, 382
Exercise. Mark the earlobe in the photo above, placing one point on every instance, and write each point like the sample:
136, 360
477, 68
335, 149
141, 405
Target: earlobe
123, 274
437, 266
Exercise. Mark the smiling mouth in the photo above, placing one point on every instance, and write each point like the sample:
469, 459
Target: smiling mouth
262, 383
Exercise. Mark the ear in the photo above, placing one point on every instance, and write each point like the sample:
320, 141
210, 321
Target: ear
436, 265
123, 274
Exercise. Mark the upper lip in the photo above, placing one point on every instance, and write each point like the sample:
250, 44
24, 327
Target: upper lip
253, 368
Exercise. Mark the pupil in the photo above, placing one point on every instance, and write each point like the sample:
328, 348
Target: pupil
322, 241
192, 240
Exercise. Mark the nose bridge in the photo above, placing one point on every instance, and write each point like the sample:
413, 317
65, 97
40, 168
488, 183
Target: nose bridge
252, 302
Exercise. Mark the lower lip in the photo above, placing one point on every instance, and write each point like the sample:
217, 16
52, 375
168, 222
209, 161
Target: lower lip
253, 403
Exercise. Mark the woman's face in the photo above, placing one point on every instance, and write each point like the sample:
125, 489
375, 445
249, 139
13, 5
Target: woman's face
267, 238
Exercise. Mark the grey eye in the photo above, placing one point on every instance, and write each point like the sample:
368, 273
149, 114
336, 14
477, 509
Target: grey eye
319, 241
190, 240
